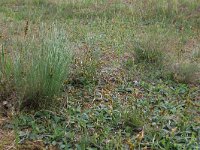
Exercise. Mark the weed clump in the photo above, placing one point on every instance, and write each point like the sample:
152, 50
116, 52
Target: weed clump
85, 70
132, 118
186, 72
148, 52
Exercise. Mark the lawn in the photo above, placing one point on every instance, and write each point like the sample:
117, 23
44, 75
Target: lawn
100, 74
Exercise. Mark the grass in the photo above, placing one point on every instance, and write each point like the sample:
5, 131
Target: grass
101, 74
149, 51
39, 65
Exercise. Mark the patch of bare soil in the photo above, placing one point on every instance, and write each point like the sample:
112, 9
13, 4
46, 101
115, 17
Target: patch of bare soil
7, 137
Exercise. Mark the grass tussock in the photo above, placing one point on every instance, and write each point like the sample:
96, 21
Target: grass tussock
39, 65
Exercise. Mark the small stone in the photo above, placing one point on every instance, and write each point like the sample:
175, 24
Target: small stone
5, 103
